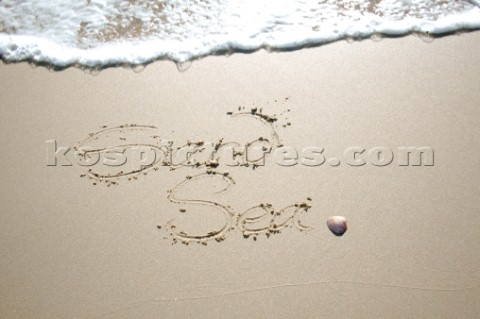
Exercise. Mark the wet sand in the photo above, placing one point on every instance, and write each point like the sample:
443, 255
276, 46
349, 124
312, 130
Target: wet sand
72, 249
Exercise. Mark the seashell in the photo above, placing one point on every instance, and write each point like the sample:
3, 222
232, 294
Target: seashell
337, 225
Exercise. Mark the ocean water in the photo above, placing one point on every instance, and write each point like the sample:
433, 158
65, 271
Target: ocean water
97, 33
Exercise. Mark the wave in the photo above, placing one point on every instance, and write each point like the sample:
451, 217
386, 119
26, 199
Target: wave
100, 33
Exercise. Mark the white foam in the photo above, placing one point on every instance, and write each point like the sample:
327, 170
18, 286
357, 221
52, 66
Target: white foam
96, 33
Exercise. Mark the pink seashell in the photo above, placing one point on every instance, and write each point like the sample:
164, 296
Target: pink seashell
337, 225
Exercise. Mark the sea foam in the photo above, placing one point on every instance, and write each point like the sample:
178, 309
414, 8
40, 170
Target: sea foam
97, 33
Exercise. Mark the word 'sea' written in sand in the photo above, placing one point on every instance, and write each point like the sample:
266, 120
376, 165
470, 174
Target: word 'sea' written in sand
259, 219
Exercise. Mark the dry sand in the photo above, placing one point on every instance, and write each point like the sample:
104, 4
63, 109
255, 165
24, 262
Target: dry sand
71, 249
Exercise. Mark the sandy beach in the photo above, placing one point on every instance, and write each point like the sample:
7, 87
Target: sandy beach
72, 249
